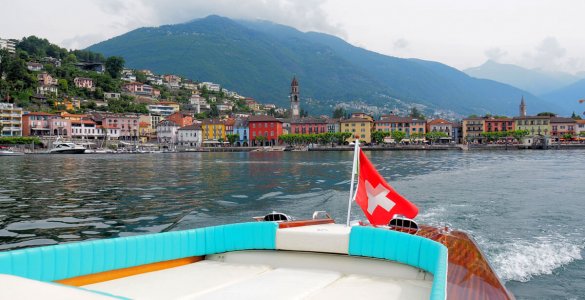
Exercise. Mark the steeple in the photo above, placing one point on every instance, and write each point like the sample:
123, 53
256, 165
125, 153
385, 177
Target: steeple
522, 107
294, 99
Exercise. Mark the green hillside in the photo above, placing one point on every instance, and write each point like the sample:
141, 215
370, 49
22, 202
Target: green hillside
258, 59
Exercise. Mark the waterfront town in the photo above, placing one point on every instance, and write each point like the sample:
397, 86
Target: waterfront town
172, 113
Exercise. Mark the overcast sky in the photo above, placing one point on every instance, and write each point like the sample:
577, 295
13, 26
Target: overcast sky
547, 34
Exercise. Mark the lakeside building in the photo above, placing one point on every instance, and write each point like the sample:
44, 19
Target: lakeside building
213, 131
190, 136
457, 133
390, 123
181, 118
145, 129
267, 126
333, 125
229, 125
536, 125
440, 125
473, 129
308, 126
10, 120
361, 128
562, 126
166, 132
243, 131
580, 127
498, 125
45, 124
126, 124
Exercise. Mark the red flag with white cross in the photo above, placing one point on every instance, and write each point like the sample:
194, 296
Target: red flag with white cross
379, 201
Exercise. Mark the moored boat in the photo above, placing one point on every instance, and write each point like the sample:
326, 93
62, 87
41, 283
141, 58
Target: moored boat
67, 148
4, 151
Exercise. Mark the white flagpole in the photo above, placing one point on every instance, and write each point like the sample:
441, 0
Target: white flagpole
353, 171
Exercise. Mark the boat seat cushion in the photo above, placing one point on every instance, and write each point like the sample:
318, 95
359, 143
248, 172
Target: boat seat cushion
409, 249
328, 238
14, 287
180, 282
71, 260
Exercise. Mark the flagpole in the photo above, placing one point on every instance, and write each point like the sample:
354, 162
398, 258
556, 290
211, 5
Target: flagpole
353, 171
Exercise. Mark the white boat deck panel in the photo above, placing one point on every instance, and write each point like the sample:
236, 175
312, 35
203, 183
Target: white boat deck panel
276, 275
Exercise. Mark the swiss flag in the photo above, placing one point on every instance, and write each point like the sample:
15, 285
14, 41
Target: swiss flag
379, 201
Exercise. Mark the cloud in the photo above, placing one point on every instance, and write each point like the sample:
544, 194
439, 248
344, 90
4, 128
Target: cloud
307, 15
495, 54
548, 55
401, 44
82, 41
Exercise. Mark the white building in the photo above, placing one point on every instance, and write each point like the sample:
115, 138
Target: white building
166, 132
161, 109
213, 87
9, 45
190, 136
10, 120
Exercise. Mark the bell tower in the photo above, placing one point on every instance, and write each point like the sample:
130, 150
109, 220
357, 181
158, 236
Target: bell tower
522, 108
295, 108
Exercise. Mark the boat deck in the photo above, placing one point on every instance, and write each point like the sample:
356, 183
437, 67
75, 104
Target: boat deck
280, 274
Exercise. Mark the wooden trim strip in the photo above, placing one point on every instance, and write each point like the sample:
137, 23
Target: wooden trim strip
120, 273
300, 223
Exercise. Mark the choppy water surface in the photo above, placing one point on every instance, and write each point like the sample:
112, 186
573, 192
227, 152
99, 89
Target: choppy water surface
524, 208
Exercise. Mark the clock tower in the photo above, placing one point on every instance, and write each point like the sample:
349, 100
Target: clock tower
295, 108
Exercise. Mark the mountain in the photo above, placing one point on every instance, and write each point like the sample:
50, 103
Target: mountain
259, 58
567, 98
535, 81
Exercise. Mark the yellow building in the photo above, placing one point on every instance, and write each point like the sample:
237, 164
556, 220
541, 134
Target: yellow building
213, 130
536, 125
472, 129
10, 120
361, 129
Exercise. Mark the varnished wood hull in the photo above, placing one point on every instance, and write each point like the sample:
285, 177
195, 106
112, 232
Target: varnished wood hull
470, 275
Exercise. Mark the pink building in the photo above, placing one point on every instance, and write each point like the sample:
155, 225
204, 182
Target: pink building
45, 124
45, 79
308, 126
84, 83
138, 88
127, 125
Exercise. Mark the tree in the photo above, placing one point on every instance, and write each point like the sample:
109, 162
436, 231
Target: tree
398, 136
114, 66
261, 139
574, 116
232, 138
378, 136
63, 85
339, 113
416, 114
213, 111
140, 77
547, 114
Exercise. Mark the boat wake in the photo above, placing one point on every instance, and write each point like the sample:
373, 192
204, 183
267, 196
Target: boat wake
521, 260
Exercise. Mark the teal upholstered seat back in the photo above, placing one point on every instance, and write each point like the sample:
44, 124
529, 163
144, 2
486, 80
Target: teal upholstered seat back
70, 260
409, 249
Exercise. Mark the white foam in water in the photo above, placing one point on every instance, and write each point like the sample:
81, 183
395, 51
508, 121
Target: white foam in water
522, 259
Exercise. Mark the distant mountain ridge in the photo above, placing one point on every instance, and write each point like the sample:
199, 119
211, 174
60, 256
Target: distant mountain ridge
258, 59
567, 98
537, 82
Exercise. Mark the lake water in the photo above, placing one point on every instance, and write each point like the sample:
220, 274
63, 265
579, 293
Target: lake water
525, 208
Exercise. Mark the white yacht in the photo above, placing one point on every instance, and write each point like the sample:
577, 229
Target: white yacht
66, 148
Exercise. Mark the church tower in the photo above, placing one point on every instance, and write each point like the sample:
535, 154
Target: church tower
295, 109
522, 108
